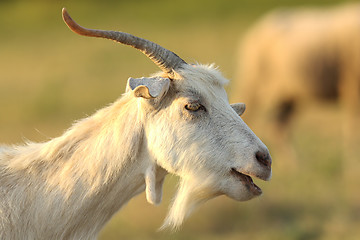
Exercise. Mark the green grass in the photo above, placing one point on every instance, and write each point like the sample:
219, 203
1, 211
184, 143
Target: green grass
50, 77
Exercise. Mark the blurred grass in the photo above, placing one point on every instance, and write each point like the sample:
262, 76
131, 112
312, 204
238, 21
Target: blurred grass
50, 77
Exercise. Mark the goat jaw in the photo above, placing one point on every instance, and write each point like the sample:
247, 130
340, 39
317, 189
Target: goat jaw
247, 182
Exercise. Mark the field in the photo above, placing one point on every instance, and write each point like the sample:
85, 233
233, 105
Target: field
50, 77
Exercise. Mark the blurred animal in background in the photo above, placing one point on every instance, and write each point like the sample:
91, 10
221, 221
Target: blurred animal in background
178, 121
294, 58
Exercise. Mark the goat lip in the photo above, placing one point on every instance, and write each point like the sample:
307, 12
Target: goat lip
247, 181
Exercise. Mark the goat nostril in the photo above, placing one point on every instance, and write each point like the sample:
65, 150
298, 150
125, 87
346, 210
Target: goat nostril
263, 158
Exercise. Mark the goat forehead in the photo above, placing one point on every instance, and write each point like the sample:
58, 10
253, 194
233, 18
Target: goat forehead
203, 74
202, 89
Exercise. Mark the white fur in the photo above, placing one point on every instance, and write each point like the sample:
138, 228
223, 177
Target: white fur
69, 187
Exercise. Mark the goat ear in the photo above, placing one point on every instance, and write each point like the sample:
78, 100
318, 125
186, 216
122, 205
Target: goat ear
239, 108
148, 87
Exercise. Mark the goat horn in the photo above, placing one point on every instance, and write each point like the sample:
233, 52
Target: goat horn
166, 60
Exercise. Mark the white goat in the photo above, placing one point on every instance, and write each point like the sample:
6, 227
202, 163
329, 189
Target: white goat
178, 121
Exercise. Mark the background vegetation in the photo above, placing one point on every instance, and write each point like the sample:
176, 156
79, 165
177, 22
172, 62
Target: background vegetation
50, 77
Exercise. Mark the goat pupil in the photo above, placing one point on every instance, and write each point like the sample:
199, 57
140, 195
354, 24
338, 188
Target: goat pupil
193, 106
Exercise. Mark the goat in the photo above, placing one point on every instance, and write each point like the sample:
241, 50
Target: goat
178, 121
295, 58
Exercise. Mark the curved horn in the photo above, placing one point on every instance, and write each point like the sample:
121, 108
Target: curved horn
166, 60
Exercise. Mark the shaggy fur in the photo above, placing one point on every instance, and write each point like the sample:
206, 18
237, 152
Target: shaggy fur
69, 187
67, 179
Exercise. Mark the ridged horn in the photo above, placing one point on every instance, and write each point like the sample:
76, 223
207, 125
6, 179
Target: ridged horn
166, 60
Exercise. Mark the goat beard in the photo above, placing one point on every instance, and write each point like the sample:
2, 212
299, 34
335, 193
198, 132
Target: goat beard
190, 195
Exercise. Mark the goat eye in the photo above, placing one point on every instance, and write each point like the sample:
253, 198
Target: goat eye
194, 107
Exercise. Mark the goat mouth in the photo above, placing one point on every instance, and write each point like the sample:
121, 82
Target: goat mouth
247, 181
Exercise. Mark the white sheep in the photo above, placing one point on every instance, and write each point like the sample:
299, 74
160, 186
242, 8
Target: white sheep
178, 121
293, 58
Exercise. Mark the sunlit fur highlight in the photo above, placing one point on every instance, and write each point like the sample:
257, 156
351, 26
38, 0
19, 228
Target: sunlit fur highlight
48, 187
70, 186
